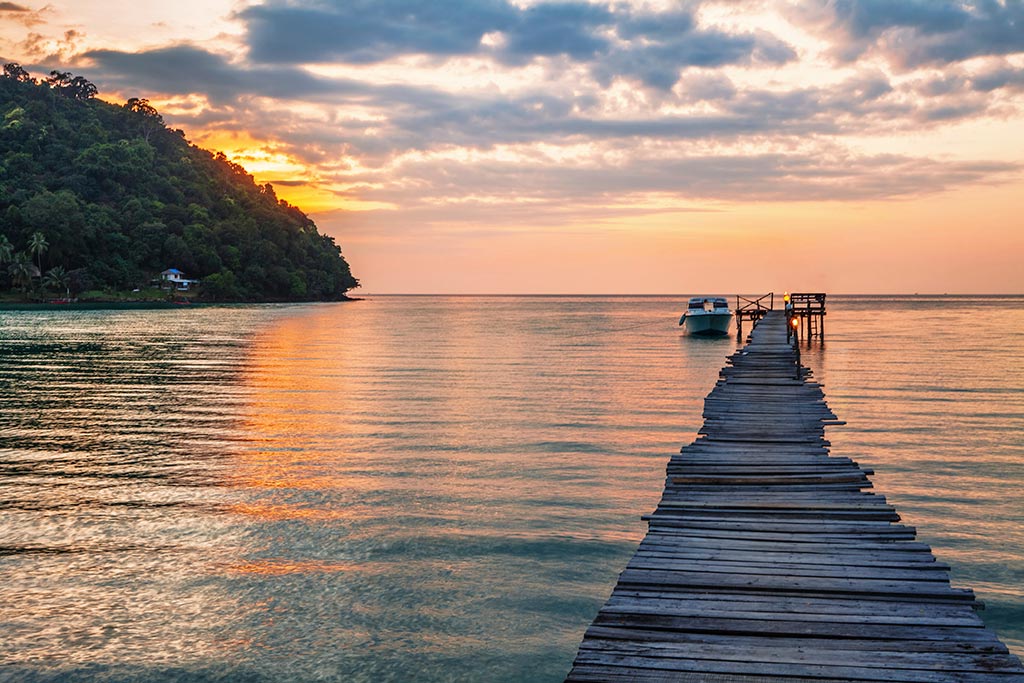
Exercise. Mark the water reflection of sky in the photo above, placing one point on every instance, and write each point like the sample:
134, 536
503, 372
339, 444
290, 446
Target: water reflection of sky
425, 488
458, 472
111, 468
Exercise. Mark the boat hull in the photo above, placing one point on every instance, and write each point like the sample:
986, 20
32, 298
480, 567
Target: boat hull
708, 324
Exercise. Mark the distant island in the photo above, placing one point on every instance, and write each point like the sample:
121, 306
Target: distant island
104, 202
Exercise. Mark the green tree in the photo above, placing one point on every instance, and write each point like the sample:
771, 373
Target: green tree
79, 280
57, 278
21, 270
37, 244
149, 119
69, 234
222, 285
6, 249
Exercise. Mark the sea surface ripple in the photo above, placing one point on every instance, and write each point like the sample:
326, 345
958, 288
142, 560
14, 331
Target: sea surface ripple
430, 488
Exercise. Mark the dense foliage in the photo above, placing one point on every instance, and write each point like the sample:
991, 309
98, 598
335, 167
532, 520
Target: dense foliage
110, 197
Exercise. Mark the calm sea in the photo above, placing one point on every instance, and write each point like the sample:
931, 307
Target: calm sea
431, 489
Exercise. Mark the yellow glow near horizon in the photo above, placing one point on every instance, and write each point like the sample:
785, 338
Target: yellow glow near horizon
294, 181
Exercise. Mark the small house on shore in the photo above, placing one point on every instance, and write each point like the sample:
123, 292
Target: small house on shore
174, 278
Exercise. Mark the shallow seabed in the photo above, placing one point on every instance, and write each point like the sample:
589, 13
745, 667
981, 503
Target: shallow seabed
430, 489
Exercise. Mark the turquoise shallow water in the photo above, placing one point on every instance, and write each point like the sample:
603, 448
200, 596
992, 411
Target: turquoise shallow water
413, 488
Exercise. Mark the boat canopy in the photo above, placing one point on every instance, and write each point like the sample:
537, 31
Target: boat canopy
701, 301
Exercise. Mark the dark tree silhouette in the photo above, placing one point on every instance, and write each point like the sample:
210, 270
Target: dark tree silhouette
149, 119
69, 85
15, 72
58, 79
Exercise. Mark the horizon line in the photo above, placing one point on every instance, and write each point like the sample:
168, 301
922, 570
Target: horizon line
687, 294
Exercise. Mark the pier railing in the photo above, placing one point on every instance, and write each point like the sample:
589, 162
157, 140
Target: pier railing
752, 310
808, 309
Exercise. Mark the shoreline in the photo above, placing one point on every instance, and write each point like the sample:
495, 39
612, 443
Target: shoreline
150, 305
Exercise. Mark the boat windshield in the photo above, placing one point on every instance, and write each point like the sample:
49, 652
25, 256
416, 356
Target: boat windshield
707, 304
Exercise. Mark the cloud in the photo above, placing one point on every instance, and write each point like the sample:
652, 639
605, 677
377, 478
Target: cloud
368, 31
616, 40
186, 69
914, 33
552, 29
1000, 77
420, 117
392, 119
498, 192
656, 48
659, 64
25, 16
46, 48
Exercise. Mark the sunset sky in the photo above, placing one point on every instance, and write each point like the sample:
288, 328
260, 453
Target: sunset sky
596, 147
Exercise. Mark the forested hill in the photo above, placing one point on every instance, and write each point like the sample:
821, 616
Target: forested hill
117, 197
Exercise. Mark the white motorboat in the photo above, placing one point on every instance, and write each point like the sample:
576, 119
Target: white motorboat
707, 316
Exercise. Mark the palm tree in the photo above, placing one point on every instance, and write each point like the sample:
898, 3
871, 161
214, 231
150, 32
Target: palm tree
21, 270
58, 279
6, 249
37, 244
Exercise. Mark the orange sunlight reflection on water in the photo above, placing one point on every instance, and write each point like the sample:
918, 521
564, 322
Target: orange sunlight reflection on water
455, 416
280, 567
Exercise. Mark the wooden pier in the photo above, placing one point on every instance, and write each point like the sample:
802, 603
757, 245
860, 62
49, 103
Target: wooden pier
808, 309
752, 310
767, 560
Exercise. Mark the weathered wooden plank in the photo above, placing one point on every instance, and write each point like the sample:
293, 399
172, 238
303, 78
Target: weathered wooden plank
910, 644
766, 652
791, 583
852, 527
794, 538
793, 569
819, 498
669, 608
782, 559
780, 631
753, 602
761, 478
823, 553
603, 674
850, 672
